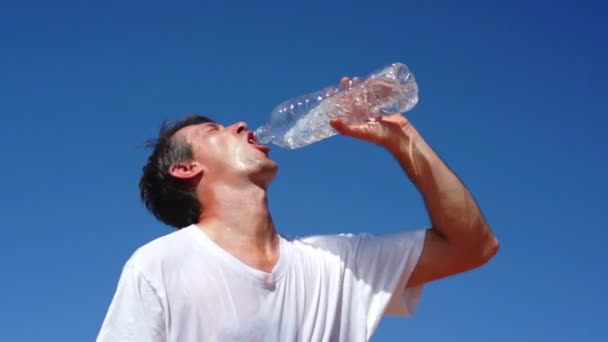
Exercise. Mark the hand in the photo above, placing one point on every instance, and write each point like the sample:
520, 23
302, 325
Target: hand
386, 131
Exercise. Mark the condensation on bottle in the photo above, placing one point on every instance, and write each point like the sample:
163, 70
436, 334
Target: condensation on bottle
304, 120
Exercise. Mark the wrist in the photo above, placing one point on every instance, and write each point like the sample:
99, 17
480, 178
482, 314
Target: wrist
401, 140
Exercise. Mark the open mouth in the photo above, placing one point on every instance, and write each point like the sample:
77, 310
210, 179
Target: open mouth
251, 138
253, 141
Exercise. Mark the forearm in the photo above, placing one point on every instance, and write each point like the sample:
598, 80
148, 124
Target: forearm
453, 212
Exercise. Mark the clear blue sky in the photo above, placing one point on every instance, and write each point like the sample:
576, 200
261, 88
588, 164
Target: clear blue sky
513, 97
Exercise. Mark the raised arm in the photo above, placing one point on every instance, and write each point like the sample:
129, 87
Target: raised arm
460, 239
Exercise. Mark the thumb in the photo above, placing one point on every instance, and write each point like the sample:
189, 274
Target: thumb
340, 126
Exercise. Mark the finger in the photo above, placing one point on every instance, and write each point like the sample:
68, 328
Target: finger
345, 129
339, 126
345, 82
336, 123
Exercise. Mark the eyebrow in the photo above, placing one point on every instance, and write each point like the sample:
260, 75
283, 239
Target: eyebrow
211, 125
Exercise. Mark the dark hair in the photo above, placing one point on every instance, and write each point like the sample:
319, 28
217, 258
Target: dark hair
171, 200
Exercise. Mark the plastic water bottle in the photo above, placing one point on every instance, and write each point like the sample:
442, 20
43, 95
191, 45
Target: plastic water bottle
304, 120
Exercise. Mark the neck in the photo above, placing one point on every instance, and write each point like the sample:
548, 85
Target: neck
237, 219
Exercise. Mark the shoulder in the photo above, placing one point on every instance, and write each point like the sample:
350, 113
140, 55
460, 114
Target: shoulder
354, 240
336, 245
163, 251
352, 244
328, 240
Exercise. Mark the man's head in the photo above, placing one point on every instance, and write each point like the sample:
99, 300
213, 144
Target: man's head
196, 152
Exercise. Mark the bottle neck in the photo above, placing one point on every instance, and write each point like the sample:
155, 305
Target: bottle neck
262, 134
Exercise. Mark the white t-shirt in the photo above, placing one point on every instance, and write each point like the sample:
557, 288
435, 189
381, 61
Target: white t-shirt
182, 287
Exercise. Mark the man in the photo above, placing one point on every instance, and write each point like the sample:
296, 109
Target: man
226, 274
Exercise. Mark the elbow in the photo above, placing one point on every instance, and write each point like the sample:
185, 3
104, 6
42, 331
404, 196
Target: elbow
490, 249
475, 246
478, 246
484, 247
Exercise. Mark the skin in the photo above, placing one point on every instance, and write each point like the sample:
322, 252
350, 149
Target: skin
233, 176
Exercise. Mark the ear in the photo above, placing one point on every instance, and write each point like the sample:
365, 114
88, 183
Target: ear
186, 170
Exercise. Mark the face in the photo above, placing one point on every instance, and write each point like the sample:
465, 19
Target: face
229, 153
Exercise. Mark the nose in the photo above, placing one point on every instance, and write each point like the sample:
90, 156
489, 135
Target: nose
238, 127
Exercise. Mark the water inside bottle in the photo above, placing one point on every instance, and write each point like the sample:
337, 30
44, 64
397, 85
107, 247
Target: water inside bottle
305, 120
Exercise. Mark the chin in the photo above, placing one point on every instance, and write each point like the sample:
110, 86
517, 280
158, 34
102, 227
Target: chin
265, 174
